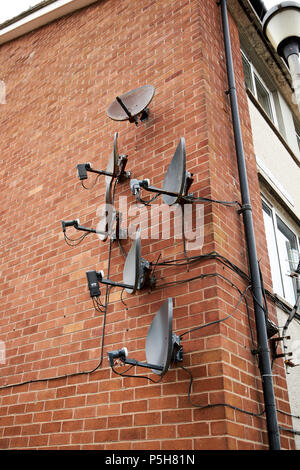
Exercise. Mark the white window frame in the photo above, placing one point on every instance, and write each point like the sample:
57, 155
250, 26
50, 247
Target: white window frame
285, 283
253, 74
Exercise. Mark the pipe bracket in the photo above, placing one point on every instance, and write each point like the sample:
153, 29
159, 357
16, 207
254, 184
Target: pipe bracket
245, 207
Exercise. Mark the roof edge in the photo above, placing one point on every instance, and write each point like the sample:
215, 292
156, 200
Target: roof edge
39, 15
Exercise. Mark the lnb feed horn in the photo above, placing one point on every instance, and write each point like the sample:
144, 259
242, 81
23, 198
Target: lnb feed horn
132, 105
69, 223
94, 278
177, 180
162, 345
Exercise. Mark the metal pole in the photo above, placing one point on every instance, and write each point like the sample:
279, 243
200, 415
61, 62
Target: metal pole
262, 339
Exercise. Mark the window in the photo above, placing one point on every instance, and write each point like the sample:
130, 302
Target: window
283, 250
247, 74
258, 88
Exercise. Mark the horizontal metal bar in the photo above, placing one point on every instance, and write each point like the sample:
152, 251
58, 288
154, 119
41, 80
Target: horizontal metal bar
100, 172
152, 189
85, 229
133, 362
115, 284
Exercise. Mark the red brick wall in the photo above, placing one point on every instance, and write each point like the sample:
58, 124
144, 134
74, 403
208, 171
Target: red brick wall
60, 80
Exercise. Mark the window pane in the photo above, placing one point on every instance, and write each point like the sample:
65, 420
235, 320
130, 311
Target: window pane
287, 246
298, 139
263, 97
247, 74
272, 251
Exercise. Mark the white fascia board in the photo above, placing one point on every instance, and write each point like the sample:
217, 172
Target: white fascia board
41, 17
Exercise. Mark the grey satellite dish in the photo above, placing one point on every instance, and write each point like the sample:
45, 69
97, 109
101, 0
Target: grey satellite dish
112, 166
159, 341
109, 219
115, 167
132, 104
131, 271
176, 183
175, 178
162, 345
136, 272
104, 227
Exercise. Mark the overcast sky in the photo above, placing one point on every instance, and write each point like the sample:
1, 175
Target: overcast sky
270, 3
14, 7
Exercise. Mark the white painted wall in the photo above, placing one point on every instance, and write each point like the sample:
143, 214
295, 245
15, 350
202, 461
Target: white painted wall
275, 161
278, 167
293, 373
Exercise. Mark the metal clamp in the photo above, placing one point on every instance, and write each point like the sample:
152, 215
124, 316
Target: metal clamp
245, 207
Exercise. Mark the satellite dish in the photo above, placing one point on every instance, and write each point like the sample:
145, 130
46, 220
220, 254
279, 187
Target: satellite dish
159, 341
176, 183
104, 227
136, 270
162, 345
112, 166
175, 178
132, 104
115, 168
131, 271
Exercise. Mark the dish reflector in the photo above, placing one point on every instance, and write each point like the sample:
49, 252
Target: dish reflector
104, 227
112, 166
136, 101
159, 341
132, 264
175, 178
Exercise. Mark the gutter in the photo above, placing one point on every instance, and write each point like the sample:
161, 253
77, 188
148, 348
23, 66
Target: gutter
262, 338
39, 15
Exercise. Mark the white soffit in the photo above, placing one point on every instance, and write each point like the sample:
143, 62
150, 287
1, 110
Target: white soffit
41, 17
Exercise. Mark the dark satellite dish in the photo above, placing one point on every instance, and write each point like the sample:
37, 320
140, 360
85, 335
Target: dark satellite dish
108, 217
162, 345
108, 226
136, 271
132, 104
177, 180
132, 264
159, 341
112, 166
115, 168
